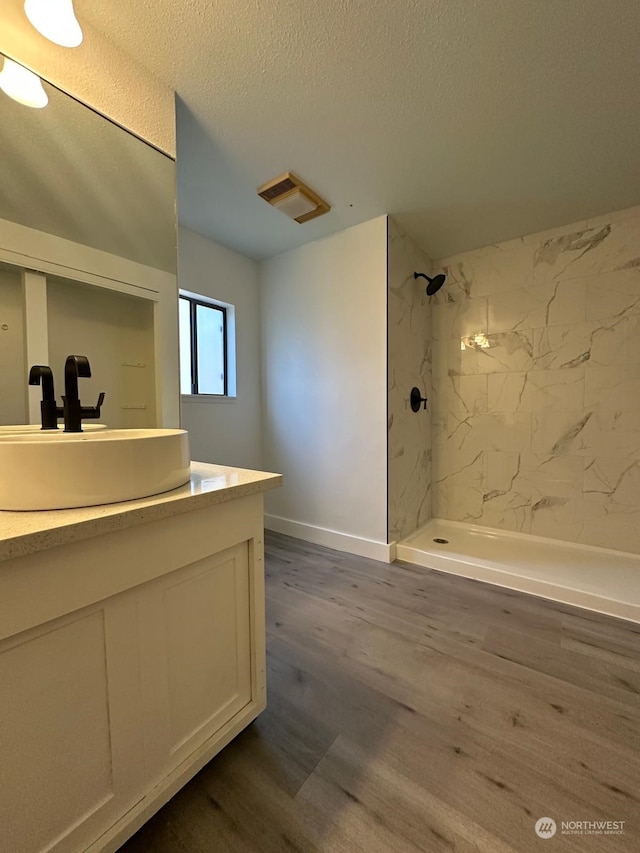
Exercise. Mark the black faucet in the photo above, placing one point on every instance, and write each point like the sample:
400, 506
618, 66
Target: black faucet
40, 374
77, 366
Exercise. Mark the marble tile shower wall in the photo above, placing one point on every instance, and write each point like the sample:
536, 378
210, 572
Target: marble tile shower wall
409, 364
536, 369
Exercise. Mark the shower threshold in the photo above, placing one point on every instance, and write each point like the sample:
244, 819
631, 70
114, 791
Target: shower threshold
581, 575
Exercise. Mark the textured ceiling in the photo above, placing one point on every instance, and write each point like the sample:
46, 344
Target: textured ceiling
472, 121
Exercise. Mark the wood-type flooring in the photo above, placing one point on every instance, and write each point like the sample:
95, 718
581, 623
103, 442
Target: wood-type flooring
411, 710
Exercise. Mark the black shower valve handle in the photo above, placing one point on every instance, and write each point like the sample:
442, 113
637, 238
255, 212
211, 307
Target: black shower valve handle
416, 399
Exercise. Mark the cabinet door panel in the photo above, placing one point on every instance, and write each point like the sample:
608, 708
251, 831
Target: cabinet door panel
197, 624
63, 733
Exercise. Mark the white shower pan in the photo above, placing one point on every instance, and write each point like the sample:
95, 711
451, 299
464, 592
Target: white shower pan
585, 576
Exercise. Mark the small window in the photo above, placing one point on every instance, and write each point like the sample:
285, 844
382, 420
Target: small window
203, 347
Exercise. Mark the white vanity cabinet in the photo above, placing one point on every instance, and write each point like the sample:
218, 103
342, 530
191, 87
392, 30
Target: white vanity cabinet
130, 654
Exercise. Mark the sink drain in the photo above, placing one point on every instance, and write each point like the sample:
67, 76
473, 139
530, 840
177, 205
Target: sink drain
441, 541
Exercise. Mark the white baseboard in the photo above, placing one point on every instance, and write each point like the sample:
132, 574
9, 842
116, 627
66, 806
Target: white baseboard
332, 538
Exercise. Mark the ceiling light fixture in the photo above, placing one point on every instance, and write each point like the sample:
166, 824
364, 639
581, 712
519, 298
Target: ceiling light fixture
22, 85
56, 20
293, 197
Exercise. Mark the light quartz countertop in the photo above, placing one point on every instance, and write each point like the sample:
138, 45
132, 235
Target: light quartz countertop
23, 533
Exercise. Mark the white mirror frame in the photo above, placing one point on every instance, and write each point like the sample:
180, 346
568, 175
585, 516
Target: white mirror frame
39, 254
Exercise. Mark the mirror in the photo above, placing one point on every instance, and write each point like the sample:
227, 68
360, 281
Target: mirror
69, 174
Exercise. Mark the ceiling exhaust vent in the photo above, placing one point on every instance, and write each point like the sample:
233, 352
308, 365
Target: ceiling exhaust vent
293, 197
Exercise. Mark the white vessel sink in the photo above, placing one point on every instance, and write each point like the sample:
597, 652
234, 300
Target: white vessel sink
58, 470
23, 429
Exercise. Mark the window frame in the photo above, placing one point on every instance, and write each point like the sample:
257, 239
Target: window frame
193, 302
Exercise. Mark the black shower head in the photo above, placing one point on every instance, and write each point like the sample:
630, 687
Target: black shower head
434, 284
